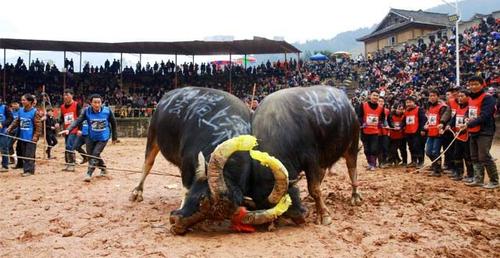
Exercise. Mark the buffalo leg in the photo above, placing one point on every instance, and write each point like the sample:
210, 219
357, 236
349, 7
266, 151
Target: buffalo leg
351, 157
151, 151
314, 179
297, 211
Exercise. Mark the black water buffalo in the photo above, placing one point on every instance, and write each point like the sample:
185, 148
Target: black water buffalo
309, 129
187, 126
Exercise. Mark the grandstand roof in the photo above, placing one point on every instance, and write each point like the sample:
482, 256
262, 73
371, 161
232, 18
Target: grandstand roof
256, 45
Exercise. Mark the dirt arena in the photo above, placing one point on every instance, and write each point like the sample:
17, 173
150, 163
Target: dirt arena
56, 214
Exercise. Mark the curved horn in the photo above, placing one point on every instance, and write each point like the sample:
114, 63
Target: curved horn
279, 172
201, 172
265, 216
218, 159
278, 195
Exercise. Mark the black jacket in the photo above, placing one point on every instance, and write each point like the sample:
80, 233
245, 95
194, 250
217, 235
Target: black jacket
8, 118
49, 123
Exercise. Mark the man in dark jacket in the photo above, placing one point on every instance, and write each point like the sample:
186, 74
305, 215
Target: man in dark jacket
481, 127
50, 131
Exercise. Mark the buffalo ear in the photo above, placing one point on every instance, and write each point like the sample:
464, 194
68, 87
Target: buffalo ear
201, 168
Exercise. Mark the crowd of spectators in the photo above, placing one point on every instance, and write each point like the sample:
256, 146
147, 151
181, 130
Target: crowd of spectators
416, 68
134, 91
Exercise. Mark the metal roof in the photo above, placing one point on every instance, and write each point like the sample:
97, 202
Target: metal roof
254, 46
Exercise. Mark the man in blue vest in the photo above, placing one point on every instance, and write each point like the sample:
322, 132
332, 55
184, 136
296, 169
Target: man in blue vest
14, 109
29, 123
102, 126
82, 140
5, 120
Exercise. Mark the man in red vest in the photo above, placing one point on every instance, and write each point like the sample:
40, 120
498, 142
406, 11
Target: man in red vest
481, 126
438, 115
396, 134
462, 150
70, 111
371, 116
415, 120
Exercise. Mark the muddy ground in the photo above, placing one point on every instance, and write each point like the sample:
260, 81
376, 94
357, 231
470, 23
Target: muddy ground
56, 214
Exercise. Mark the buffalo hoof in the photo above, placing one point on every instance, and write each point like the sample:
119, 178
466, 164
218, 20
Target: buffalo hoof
326, 220
298, 217
136, 196
299, 220
178, 227
356, 199
271, 227
178, 231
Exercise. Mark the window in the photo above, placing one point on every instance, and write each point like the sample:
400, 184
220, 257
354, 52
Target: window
391, 40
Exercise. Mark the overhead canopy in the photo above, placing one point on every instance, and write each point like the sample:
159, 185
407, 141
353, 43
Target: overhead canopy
255, 46
318, 57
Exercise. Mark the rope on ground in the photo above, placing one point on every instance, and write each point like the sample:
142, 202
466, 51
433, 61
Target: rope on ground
456, 134
93, 166
82, 165
49, 146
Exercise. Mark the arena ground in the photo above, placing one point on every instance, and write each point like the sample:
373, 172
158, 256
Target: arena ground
55, 214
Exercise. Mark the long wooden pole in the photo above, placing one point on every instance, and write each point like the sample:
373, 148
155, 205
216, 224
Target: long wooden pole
253, 95
121, 70
285, 64
64, 72
298, 61
80, 61
4, 75
44, 98
175, 71
230, 74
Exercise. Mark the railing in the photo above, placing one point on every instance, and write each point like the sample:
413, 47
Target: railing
128, 112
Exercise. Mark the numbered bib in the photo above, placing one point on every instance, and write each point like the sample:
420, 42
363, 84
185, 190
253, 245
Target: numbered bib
98, 125
372, 120
472, 112
68, 118
25, 124
410, 120
460, 120
432, 119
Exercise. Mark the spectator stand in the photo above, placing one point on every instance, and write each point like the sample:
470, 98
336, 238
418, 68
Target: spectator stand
189, 48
